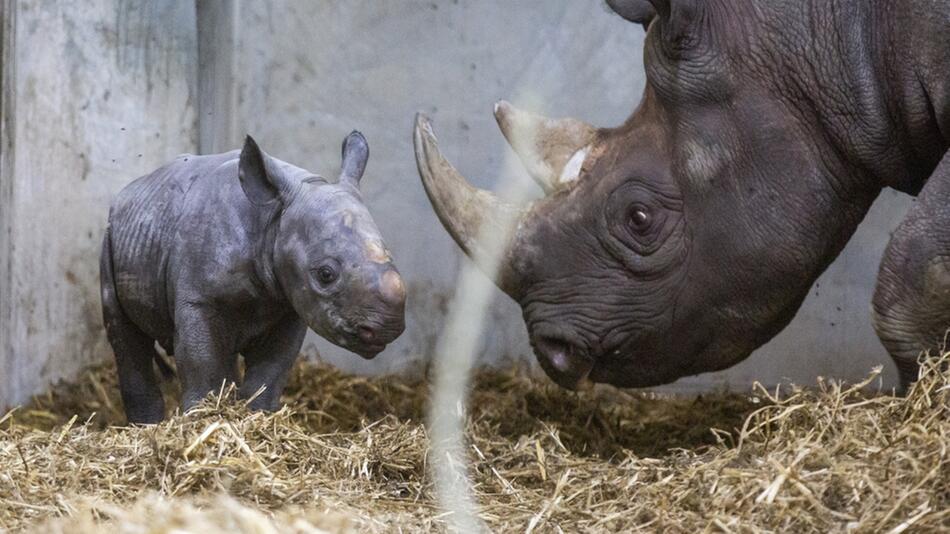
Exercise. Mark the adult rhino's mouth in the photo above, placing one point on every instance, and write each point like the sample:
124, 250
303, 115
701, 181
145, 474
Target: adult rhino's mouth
567, 364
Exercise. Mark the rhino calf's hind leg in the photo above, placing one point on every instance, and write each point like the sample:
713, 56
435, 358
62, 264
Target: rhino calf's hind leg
134, 350
134, 356
912, 299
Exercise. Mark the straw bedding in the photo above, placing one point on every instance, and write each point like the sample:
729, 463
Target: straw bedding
350, 454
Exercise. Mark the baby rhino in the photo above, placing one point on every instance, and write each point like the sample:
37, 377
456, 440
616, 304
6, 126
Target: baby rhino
238, 253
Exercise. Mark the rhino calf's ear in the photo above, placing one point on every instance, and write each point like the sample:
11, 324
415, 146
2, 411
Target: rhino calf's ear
355, 156
257, 183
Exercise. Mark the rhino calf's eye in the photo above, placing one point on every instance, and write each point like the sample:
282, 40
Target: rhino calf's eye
326, 275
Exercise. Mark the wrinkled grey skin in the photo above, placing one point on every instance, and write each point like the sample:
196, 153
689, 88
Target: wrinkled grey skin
238, 253
692, 233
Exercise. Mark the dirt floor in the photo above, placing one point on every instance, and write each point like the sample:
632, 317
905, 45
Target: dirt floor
351, 454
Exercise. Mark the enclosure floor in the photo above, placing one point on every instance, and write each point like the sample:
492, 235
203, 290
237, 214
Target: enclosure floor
351, 454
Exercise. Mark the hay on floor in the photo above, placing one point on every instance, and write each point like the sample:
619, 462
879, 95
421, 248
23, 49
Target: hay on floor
350, 454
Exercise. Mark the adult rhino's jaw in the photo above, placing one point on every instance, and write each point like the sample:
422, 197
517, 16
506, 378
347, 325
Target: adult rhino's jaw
566, 364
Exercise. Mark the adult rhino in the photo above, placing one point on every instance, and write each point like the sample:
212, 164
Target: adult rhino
682, 240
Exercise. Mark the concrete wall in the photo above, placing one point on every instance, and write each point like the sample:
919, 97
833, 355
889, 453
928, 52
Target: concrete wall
95, 94
299, 76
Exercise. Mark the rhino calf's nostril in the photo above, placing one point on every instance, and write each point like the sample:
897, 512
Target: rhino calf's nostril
367, 334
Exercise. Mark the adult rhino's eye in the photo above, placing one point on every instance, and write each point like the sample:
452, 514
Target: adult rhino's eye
640, 219
326, 275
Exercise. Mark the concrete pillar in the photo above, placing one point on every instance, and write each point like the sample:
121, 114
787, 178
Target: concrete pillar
217, 59
94, 94
7, 70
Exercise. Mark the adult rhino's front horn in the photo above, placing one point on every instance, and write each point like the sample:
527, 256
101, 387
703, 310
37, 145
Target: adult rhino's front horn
490, 230
481, 223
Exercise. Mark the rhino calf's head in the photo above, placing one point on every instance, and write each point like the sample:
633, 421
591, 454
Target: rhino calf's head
325, 251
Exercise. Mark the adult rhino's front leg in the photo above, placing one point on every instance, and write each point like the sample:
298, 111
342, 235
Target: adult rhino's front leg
912, 299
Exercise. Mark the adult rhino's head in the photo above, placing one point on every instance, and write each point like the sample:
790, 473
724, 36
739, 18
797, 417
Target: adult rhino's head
675, 243
325, 250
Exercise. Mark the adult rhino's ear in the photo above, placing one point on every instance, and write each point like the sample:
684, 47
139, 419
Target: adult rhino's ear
639, 11
355, 156
676, 17
260, 178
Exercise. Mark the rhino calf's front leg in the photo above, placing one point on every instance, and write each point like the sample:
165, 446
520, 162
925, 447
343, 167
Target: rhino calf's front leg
268, 362
204, 352
912, 299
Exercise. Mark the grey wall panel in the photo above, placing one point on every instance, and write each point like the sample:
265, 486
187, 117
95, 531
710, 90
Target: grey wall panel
101, 92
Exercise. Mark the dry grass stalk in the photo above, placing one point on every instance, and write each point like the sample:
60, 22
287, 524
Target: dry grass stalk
349, 454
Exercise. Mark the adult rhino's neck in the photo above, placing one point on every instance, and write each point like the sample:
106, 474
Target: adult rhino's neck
834, 65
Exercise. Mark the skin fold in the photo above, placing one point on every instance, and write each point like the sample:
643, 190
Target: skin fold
685, 238
237, 254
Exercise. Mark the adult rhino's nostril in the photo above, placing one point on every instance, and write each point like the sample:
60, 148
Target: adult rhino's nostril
566, 364
560, 361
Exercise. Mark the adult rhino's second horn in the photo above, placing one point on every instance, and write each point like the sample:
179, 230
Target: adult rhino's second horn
552, 150
481, 223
